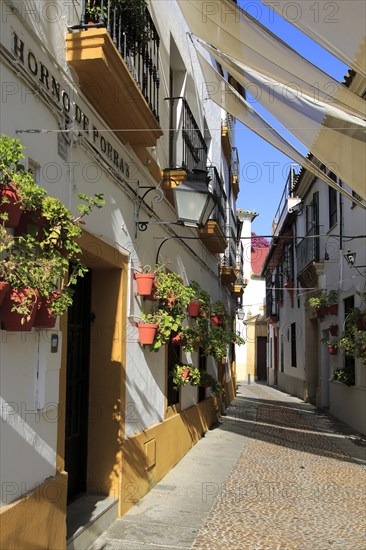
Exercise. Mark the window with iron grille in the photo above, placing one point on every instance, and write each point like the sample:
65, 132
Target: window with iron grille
289, 262
293, 346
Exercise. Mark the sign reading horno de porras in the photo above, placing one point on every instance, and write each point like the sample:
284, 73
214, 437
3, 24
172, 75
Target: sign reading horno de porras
72, 110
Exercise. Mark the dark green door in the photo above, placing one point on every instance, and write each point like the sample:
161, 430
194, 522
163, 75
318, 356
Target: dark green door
77, 388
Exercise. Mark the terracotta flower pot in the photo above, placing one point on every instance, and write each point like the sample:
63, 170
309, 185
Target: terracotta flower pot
147, 332
12, 207
332, 309
193, 308
4, 287
44, 317
321, 312
151, 297
332, 350
177, 340
333, 330
185, 373
31, 222
13, 321
144, 283
217, 320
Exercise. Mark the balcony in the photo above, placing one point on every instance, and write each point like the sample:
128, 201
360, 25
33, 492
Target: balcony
118, 71
228, 275
187, 146
309, 259
213, 234
235, 172
227, 126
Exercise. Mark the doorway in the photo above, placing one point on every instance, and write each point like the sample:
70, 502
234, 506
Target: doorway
261, 358
77, 388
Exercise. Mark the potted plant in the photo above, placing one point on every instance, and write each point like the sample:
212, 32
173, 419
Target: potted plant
172, 293
319, 304
180, 375
144, 282
344, 375
332, 345
218, 313
194, 376
332, 302
201, 304
147, 329
333, 330
33, 263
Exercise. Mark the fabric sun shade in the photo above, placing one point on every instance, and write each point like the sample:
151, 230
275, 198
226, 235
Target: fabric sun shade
336, 138
231, 101
230, 29
339, 27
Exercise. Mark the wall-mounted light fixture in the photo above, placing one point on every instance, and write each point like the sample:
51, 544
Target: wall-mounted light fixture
240, 313
350, 258
193, 202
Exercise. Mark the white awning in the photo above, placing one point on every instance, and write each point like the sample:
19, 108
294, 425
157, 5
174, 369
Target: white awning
231, 101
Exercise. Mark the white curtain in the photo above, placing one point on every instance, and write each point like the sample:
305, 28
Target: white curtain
230, 29
339, 27
231, 101
335, 137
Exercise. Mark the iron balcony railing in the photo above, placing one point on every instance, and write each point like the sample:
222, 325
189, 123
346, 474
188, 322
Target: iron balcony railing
187, 148
240, 260
308, 249
135, 36
229, 256
217, 189
235, 162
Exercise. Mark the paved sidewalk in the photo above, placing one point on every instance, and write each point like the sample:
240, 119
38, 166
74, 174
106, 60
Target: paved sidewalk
274, 475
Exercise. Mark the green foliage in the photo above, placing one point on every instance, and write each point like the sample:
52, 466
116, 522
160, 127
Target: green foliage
203, 297
318, 301
172, 293
346, 376
178, 377
218, 308
39, 258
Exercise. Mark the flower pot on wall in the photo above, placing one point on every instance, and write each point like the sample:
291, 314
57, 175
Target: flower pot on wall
12, 320
31, 222
4, 287
147, 332
44, 317
11, 207
332, 309
217, 320
144, 283
333, 330
193, 308
321, 312
332, 350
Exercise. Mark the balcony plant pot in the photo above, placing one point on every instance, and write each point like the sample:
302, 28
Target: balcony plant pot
152, 297
333, 330
332, 350
4, 287
144, 283
332, 309
147, 332
193, 308
12, 208
12, 320
44, 317
185, 373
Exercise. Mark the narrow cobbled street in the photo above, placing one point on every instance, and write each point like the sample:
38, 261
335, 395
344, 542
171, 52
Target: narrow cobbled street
274, 475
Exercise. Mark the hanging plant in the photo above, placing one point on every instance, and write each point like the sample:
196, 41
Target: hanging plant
34, 262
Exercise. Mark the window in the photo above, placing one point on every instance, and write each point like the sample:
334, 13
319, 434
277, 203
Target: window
293, 346
173, 358
34, 169
289, 263
282, 354
332, 203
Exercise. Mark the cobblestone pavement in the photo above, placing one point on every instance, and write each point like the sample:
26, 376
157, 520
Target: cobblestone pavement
292, 487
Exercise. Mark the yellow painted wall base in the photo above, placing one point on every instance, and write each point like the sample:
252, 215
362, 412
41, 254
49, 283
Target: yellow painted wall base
36, 521
146, 462
230, 390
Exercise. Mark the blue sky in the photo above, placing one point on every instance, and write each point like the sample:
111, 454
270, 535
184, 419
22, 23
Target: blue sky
263, 169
